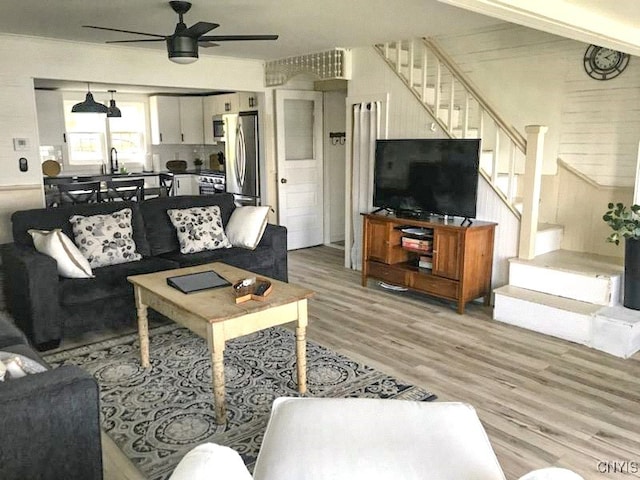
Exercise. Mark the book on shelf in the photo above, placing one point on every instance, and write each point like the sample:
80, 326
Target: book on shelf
417, 243
425, 262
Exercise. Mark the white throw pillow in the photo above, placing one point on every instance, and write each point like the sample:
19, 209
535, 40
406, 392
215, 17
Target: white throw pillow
18, 366
105, 239
208, 461
199, 228
246, 226
71, 262
551, 473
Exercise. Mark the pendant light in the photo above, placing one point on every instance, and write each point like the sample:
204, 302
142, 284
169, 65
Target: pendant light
113, 111
89, 105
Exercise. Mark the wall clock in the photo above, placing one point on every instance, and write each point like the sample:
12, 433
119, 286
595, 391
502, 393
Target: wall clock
604, 63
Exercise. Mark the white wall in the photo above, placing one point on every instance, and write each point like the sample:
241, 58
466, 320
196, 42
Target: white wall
408, 119
334, 168
26, 58
535, 78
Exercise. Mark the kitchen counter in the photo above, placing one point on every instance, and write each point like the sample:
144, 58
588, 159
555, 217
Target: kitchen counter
109, 176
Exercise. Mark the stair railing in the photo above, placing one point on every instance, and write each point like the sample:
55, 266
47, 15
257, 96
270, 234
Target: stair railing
457, 106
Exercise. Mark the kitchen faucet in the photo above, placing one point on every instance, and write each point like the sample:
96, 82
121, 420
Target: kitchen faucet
113, 160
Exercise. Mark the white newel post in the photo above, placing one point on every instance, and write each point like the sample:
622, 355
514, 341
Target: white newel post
531, 199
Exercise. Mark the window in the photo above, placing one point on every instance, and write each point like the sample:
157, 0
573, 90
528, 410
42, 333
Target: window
127, 132
90, 136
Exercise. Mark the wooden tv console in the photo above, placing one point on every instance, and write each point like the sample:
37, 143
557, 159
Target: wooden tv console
460, 257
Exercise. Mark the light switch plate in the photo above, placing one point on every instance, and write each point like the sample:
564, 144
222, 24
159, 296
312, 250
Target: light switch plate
20, 144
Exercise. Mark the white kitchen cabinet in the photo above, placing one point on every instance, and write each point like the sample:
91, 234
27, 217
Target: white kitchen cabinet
176, 120
247, 101
185, 184
229, 103
165, 120
51, 129
191, 120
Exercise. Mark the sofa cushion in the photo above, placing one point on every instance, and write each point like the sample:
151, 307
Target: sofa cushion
110, 281
50, 218
199, 228
9, 333
105, 239
238, 257
54, 243
246, 226
160, 231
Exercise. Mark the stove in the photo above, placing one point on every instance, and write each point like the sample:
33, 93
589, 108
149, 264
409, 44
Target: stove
211, 182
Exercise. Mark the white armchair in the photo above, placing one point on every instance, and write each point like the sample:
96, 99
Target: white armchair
358, 439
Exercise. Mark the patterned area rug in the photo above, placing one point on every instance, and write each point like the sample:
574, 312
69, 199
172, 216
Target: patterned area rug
157, 416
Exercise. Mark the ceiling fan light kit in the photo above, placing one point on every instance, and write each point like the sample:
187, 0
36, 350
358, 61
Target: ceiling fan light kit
182, 50
89, 105
183, 43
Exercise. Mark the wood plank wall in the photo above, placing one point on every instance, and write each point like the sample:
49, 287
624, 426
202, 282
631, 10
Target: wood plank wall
533, 77
408, 119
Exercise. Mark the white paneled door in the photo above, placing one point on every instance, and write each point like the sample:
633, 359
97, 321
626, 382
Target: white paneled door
300, 184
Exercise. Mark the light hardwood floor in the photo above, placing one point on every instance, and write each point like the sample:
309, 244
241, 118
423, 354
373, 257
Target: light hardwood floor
543, 401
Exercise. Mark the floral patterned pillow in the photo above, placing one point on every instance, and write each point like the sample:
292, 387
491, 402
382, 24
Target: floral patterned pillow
199, 228
105, 239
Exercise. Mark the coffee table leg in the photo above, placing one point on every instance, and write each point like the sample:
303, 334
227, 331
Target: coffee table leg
216, 342
143, 329
301, 345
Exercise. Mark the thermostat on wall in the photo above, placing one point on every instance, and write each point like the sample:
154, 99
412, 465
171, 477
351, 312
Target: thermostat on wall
20, 144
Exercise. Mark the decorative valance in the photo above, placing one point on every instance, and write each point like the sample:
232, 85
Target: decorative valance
327, 65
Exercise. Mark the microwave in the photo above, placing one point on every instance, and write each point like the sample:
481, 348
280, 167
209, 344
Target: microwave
218, 129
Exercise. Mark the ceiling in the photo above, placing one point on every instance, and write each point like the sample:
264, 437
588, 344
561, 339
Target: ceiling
304, 26
308, 26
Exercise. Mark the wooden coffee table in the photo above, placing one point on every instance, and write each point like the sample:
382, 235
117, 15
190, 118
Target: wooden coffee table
214, 315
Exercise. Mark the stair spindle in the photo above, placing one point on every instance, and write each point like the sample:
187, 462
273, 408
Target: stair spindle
496, 153
410, 60
424, 73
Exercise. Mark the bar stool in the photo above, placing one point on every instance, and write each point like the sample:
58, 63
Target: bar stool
125, 189
79, 192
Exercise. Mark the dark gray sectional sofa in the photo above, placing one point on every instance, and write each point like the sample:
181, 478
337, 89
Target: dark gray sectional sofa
50, 420
48, 307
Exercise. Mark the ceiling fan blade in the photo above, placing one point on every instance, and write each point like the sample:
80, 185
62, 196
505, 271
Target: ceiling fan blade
198, 29
125, 31
208, 44
140, 40
233, 38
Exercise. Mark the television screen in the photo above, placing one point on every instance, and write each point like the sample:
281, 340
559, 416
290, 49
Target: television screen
423, 176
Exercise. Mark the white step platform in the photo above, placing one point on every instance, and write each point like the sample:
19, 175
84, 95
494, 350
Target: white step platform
614, 330
573, 296
579, 276
556, 316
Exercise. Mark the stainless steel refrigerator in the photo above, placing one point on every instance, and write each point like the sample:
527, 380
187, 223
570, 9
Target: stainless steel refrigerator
242, 170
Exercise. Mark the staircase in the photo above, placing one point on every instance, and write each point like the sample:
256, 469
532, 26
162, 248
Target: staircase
460, 111
570, 295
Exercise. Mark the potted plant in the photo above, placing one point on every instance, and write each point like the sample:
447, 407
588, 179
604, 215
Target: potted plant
198, 163
625, 223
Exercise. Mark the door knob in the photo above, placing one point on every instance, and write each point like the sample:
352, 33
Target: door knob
283, 180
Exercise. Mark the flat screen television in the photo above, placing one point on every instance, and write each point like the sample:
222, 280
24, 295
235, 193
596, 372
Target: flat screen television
427, 176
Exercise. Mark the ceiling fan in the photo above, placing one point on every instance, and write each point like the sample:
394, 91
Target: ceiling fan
183, 43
